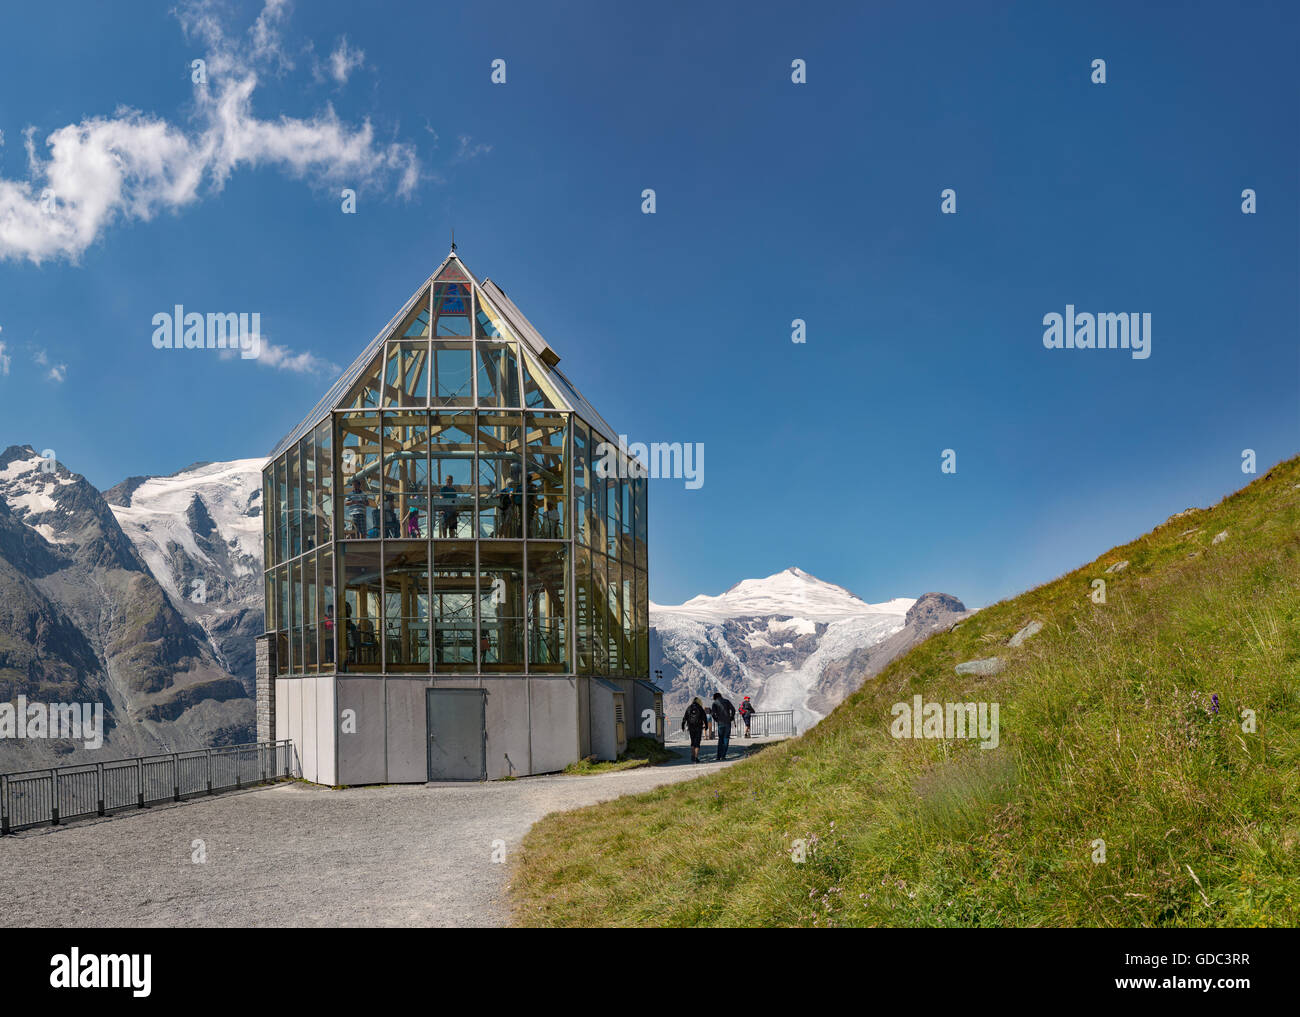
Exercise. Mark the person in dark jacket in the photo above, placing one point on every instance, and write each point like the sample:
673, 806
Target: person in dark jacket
694, 723
723, 716
746, 712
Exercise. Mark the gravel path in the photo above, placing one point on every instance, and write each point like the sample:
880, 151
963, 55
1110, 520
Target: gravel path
298, 855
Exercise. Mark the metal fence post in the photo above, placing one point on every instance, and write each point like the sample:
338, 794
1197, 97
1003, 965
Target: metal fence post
207, 754
4, 803
54, 795
139, 782
261, 758
99, 786
176, 777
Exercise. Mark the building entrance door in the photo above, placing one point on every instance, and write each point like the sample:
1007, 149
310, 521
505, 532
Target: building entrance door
457, 734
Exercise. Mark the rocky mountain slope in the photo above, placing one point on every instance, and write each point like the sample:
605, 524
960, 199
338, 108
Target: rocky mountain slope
83, 620
199, 530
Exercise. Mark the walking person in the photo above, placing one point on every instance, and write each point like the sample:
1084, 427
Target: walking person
693, 723
746, 711
723, 715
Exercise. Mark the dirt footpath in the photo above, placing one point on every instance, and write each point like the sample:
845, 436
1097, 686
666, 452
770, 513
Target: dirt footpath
298, 855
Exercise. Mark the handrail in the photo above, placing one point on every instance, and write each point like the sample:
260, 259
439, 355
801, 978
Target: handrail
56, 794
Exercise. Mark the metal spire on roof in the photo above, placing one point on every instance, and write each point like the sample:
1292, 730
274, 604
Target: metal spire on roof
453, 240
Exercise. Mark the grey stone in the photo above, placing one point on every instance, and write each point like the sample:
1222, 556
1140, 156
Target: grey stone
985, 667
1220, 537
1032, 629
1119, 566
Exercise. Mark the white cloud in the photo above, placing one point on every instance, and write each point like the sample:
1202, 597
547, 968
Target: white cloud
344, 60
58, 373
5, 360
134, 165
40, 358
284, 359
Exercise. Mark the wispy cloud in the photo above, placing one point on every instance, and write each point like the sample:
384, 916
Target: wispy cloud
5, 359
468, 150
134, 165
344, 60
284, 359
56, 373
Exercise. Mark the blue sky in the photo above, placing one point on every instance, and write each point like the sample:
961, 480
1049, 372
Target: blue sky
775, 201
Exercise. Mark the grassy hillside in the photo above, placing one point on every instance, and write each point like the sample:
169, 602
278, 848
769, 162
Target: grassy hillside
1108, 732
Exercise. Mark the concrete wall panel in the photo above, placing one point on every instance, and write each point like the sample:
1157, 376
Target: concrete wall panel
555, 732
408, 760
507, 727
326, 730
362, 755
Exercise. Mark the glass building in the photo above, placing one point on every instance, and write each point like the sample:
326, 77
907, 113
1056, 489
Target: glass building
455, 559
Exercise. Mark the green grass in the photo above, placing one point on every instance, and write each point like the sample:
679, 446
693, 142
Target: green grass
640, 752
1107, 733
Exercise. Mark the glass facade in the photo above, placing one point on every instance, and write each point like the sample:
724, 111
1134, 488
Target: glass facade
453, 513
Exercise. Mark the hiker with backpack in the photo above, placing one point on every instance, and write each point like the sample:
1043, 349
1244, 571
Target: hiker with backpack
693, 722
746, 711
723, 715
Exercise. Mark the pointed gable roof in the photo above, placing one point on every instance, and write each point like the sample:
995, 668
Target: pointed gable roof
541, 357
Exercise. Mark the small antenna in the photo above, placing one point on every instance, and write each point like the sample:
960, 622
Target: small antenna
453, 240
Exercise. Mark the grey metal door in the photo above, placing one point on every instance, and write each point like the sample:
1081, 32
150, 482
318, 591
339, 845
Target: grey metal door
457, 734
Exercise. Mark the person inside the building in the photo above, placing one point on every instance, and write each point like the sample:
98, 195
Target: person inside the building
723, 715
413, 522
392, 528
356, 504
693, 723
746, 711
449, 516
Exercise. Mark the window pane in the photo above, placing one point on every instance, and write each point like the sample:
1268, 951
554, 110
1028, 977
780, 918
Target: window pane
642, 625
451, 309
282, 619
538, 393
359, 469
309, 613
627, 653
295, 616
581, 482
282, 511
500, 479
613, 618
359, 565
325, 601
640, 528
364, 395
548, 580
451, 481
547, 453
498, 374
491, 325
268, 520
406, 379
307, 457
324, 483
454, 596
583, 619
272, 601
453, 374
501, 606
612, 531
625, 550
406, 474
406, 606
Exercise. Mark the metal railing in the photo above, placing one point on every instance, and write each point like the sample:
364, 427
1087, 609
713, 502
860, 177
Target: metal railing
60, 793
767, 724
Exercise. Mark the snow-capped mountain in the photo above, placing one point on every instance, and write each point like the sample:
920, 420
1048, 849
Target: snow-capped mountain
200, 532
784, 641
83, 620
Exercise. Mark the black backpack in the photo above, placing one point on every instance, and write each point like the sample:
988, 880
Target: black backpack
694, 715
723, 711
